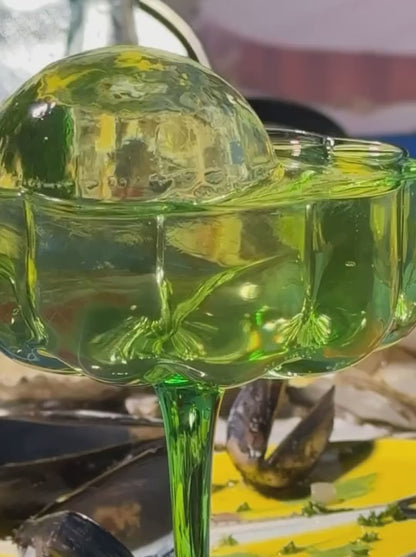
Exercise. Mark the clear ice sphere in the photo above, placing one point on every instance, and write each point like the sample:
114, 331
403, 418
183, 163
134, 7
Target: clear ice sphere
129, 123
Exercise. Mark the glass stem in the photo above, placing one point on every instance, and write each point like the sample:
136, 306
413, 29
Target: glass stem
189, 414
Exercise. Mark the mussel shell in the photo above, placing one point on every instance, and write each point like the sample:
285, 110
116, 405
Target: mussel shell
248, 432
68, 535
102, 472
24, 442
39, 463
131, 500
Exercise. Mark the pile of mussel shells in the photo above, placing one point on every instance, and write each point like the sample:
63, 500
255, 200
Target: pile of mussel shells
83, 465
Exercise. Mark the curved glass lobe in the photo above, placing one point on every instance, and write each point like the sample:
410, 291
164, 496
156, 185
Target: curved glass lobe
352, 264
390, 158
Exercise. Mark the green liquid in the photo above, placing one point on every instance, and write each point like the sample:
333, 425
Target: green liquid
219, 299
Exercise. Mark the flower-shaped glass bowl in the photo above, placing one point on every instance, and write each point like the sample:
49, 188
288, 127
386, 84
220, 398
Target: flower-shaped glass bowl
299, 275
205, 260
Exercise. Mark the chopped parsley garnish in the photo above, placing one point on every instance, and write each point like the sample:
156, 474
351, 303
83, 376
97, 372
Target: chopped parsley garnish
392, 513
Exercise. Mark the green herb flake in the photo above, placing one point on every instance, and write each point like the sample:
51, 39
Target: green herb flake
370, 537
312, 508
243, 507
228, 541
359, 548
392, 513
291, 549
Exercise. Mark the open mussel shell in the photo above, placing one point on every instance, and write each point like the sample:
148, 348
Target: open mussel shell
68, 535
249, 427
123, 487
130, 500
40, 463
59, 435
24, 442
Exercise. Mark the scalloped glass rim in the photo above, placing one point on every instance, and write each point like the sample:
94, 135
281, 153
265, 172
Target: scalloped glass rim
388, 152
371, 154
385, 153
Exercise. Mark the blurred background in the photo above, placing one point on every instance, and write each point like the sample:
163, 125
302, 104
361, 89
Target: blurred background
352, 60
